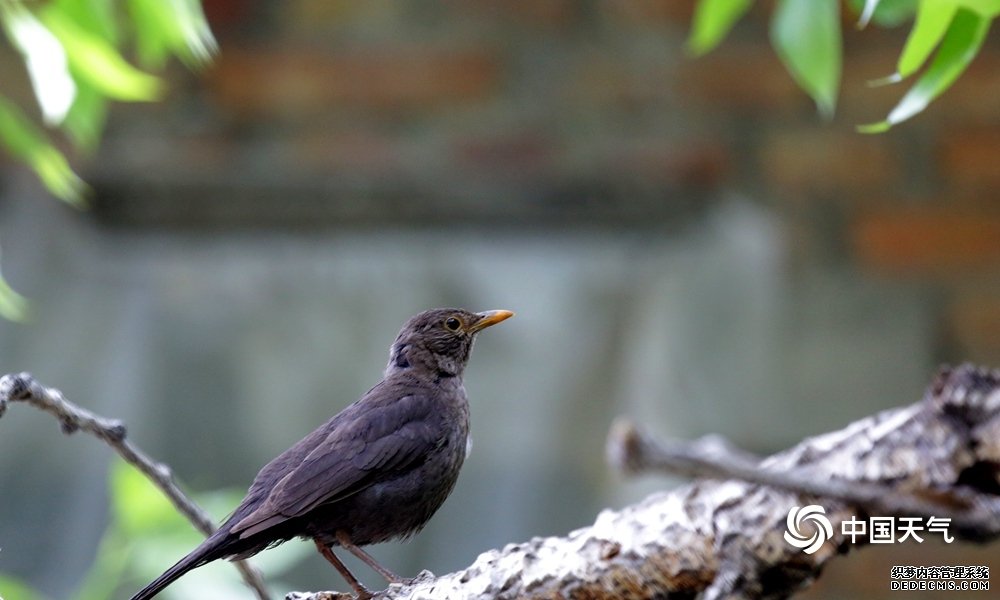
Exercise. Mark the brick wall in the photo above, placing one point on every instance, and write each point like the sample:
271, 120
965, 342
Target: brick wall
538, 106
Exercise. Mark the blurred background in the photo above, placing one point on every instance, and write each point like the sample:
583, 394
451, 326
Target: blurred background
685, 241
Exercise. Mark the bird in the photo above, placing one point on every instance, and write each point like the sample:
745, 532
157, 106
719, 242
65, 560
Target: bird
376, 471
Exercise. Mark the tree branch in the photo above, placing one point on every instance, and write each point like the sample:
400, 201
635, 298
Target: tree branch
725, 537
634, 451
22, 387
716, 538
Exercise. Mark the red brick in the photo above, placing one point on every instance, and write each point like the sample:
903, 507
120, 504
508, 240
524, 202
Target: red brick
362, 151
927, 241
523, 153
739, 76
223, 15
348, 16
971, 158
301, 82
541, 13
675, 12
801, 162
601, 81
688, 163
648, 11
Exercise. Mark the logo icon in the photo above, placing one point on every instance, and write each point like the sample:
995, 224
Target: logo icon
822, 530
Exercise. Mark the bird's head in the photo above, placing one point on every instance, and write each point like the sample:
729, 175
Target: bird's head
439, 341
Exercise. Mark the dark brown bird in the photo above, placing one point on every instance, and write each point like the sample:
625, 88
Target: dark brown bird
374, 472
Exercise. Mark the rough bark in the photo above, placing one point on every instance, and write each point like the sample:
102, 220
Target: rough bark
725, 537
722, 536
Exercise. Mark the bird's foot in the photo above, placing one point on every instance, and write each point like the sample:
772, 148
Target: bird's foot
361, 592
408, 581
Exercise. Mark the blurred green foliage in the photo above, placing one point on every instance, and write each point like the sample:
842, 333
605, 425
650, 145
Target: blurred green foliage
806, 34
78, 57
14, 588
76, 54
12, 305
146, 534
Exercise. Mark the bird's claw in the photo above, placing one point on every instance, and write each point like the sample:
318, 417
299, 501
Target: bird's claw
408, 581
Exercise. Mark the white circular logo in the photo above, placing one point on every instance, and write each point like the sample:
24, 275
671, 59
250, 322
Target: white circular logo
822, 529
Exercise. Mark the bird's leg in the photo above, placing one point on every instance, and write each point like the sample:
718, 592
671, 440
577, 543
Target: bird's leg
345, 541
359, 588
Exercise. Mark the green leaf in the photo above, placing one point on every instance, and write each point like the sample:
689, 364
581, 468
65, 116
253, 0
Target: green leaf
886, 13
867, 13
959, 46
932, 21
45, 60
165, 27
806, 36
139, 507
26, 141
985, 8
200, 44
53, 169
98, 17
879, 127
97, 61
712, 21
85, 120
13, 306
154, 35
14, 588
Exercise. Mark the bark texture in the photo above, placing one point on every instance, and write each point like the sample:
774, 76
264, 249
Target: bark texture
724, 536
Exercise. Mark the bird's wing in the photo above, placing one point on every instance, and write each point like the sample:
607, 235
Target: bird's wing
376, 441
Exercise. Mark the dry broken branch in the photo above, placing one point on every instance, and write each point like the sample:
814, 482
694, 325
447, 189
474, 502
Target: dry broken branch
22, 387
725, 537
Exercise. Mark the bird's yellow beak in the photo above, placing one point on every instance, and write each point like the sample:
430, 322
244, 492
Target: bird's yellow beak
490, 318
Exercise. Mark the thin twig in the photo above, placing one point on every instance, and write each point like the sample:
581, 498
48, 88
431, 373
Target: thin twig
22, 387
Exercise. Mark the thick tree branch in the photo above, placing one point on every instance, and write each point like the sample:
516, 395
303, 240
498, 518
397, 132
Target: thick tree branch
23, 388
724, 537
634, 451
721, 537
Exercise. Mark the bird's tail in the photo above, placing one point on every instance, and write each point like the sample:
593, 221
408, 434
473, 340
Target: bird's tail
209, 550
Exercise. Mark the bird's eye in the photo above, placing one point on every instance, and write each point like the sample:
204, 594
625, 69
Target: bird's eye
452, 324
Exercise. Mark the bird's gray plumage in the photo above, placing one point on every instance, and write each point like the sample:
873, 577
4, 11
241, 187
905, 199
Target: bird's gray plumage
375, 471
